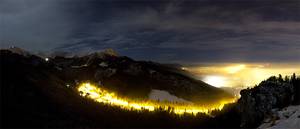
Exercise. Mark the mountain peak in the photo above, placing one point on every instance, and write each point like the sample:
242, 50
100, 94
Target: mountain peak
110, 52
18, 50
102, 54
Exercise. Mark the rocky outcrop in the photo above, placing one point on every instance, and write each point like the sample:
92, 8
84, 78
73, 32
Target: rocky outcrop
257, 103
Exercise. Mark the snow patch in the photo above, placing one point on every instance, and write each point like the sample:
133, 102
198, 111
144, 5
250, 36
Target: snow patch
288, 118
162, 95
103, 64
85, 65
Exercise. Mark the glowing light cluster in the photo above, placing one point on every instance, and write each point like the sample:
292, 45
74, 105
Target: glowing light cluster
103, 96
241, 75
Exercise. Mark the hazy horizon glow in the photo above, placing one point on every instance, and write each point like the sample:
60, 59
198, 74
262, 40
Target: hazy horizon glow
241, 75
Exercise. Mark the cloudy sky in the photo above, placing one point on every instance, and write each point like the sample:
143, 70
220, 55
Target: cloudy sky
160, 30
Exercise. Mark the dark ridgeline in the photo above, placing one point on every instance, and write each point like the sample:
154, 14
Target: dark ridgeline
136, 78
34, 94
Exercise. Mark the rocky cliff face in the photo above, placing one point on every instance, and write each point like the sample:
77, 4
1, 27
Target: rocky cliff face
261, 103
257, 103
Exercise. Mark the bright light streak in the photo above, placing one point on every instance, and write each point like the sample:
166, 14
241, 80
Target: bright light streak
103, 96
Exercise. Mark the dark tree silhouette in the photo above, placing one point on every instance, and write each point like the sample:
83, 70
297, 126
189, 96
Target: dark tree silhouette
280, 78
295, 81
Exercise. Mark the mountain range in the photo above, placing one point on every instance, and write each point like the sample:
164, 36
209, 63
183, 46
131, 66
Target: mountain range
41, 91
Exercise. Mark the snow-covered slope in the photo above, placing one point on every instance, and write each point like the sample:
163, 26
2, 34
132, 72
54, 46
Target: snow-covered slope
287, 118
162, 95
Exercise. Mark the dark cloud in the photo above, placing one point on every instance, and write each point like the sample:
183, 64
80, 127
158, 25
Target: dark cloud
161, 30
33, 25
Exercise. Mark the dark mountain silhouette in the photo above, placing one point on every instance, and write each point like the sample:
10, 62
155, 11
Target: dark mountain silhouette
136, 78
34, 91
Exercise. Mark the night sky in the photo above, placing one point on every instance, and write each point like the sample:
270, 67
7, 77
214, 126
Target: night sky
159, 30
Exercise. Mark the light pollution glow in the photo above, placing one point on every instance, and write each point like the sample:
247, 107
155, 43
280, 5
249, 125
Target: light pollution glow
241, 75
103, 96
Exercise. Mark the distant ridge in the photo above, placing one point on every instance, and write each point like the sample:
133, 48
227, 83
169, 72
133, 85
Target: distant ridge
18, 50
